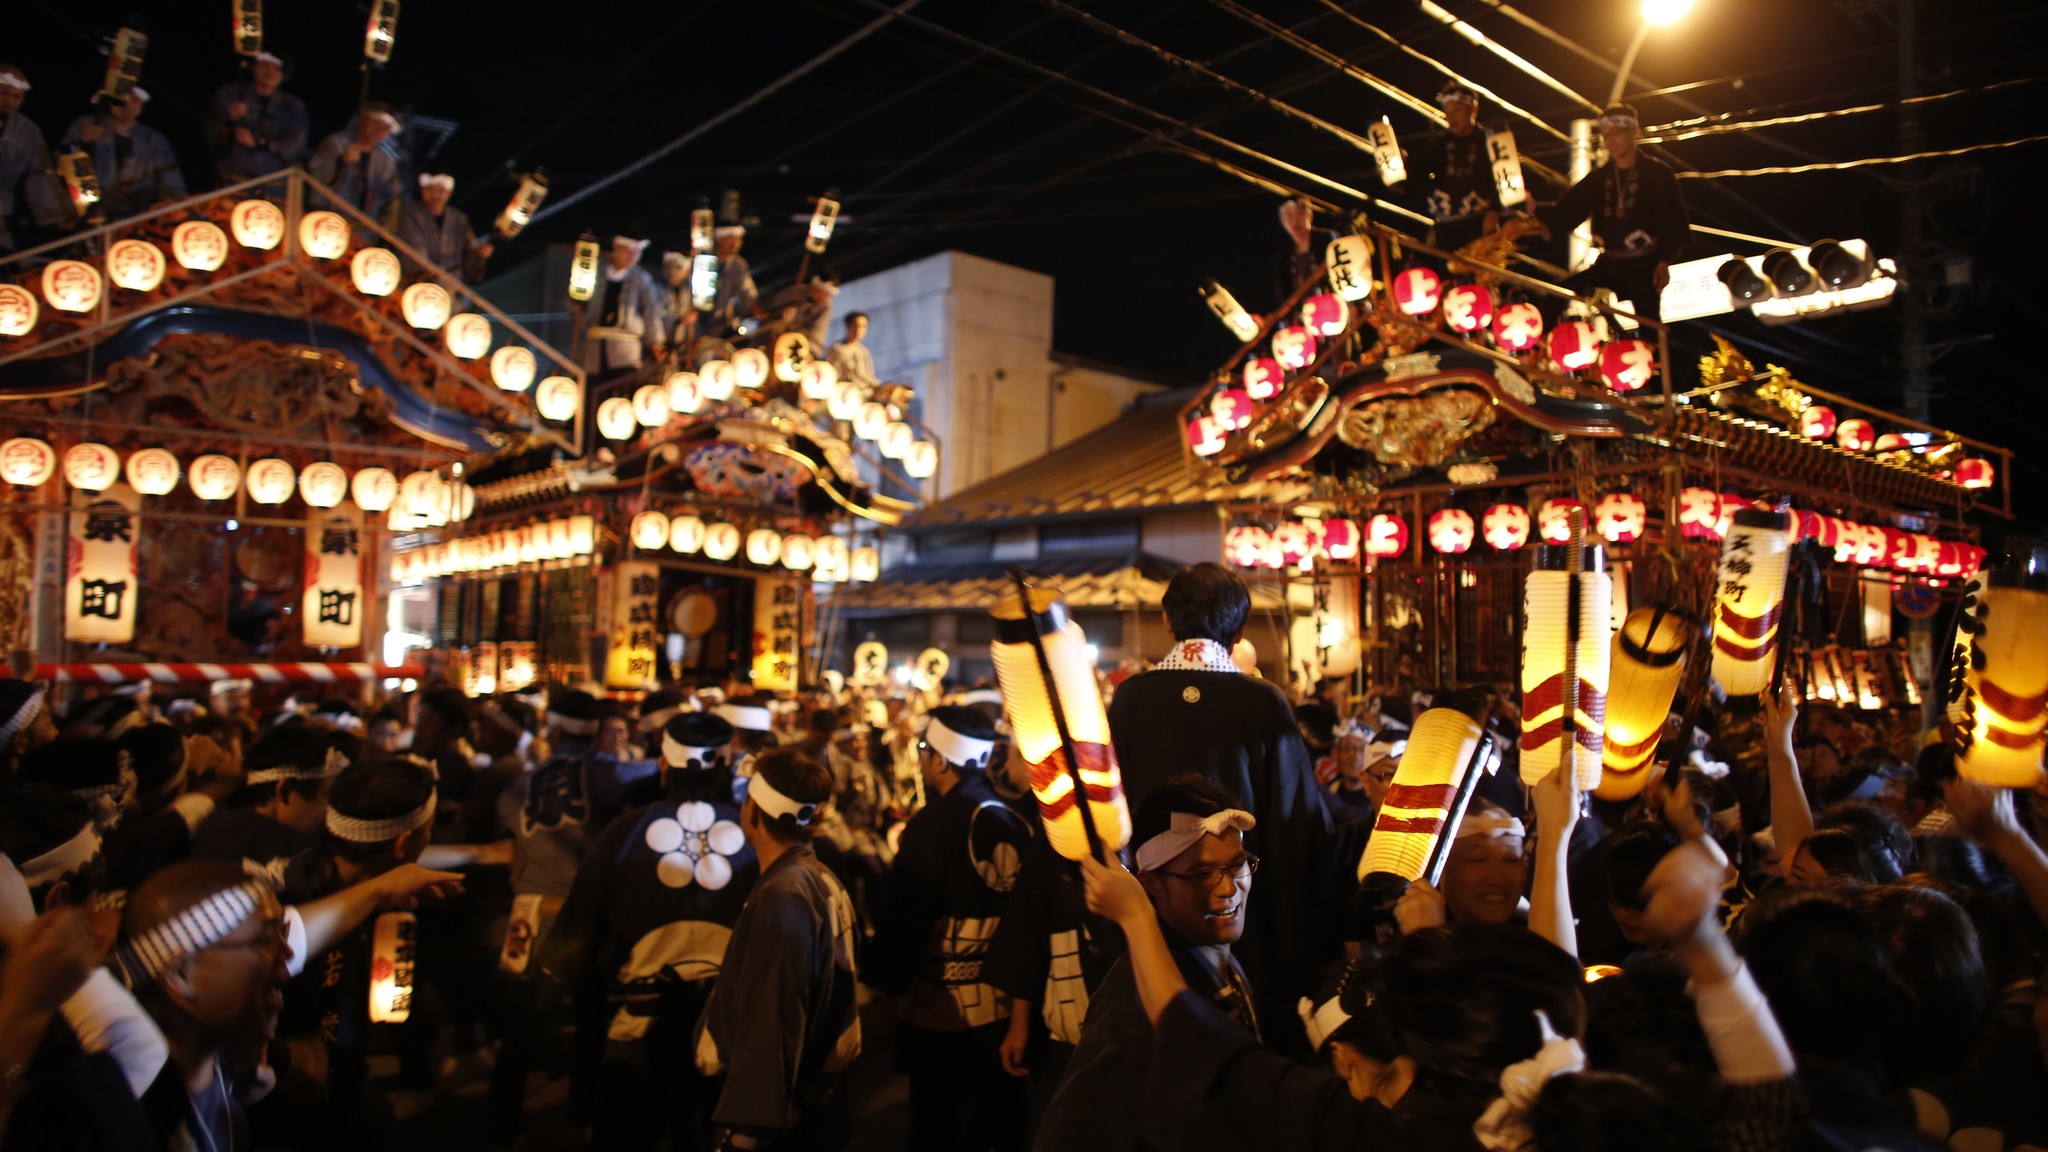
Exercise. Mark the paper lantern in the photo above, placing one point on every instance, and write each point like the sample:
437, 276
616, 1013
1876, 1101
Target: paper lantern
764, 546
322, 235
1646, 665
375, 271
1998, 690
1551, 518
1206, 435
1294, 346
1468, 307
1386, 535
27, 462
866, 563
1325, 314
420, 494
650, 530
583, 269
153, 472
258, 224
846, 400
1249, 546
393, 952
558, 398
792, 356
650, 405
271, 481
1699, 514
1856, 435
896, 440
1620, 517
1057, 722
214, 477
1263, 377
323, 484
199, 246
1817, 422
615, 419
582, 535
682, 393
1417, 291
1574, 346
833, 560
749, 368
922, 461
513, 368
373, 488
686, 534
1386, 152
1450, 530
71, 286
136, 265
1506, 526
721, 542
526, 200
1975, 472
715, 380
1341, 540
1228, 310
468, 336
872, 421
426, 306
1231, 408
1293, 544
18, 310
1347, 260
1627, 365
1749, 595
798, 552
91, 467
1891, 442
1517, 327
818, 379
1565, 652
1426, 800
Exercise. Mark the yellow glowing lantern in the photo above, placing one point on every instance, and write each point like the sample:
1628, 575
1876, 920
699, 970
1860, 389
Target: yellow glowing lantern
323, 484
1057, 722
426, 306
91, 467
832, 560
683, 394
258, 224
136, 265
1749, 595
896, 439
818, 379
871, 421
391, 965
764, 546
798, 553
420, 494
650, 405
1432, 784
686, 534
721, 542
71, 286
323, 235
750, 368
1620, 517
615, 419
18, 310
468, 336
583, 269
375, 271
558, 398
1348, 260
271, 481
715, 380
846, 400
1647, 662
582, 535
866, 563
1999, 692
518, 213
153, 472
513, 368
27, 461
373, 489
199, 246
214, 477
650, 529
922, 461
1566, 617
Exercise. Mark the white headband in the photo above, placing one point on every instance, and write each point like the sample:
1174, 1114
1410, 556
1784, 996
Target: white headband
746, 717
64, 859
1380, 750
571, 725
14, 80
776, 805
1487, 824
1321, 1022
656, 720
223, 687
437, 180
675, 258
182, 705
30, 706
729, 230
956, 749
266, 57
638, 246
139, 94
1185, 830
677, 755
196, 929
378, 831
328, 770
388, 118
1617, 121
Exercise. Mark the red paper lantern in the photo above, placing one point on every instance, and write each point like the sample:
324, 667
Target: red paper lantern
1468, 307
1620, 517
1231, 408
1418, 291
1817, 422
1325, 314
1506, 526
1552, 522
1206, 435
1294, 544
1294, 346
1627, 365
1248, 546
1856, 435
1450, 530
1699, 514
1340, 539
1517, 327
1573, 346
1975, 473
1386, 535
1263, 377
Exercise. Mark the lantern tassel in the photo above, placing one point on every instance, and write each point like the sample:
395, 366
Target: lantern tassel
1059, 712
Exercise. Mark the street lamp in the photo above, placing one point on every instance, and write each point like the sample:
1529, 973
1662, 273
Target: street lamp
1656, 14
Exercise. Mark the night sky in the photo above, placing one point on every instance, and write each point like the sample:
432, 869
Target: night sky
935, 145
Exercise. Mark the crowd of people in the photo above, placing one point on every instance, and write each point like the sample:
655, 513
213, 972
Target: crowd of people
1807, 933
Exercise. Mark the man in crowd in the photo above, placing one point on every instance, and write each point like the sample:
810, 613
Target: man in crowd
955, 867
782, 1023
850, 357
133, 162
356, 163
440, 231
25, 720
278, 812
1463, 199
814, 309
1639, 218
258, 129
30, 195
737, 297
682, 309
626, 323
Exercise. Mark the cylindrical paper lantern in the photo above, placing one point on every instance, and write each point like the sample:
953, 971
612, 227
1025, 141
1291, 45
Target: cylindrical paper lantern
1450, 530
1506, 526
1247, 545
1348, 261
1426, 799
1998, 693
1565, 620
1647, 663
1748, 597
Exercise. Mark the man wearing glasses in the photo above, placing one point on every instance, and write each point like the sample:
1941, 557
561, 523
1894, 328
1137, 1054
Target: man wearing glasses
1193, 865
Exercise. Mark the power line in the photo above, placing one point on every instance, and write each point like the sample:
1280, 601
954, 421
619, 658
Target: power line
1447, 71
1482, 40
1716, 125
1844, 165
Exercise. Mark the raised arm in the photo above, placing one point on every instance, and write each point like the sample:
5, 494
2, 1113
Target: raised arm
1988, 815
1791, 818
1550, 899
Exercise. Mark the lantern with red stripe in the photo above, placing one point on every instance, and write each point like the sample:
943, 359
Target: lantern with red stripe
1565, 651
1975, 473
1506, 526
1294, 346
1748, 597
1574, 346
1450, 530
1517, 327
1856, 435
1998, 694
1418, 291
1699, 514
1551, 518
1057, 722
1231, 408
1263, 377
1891, 442
1731, 503
1293, 543
1249, 546
1325, 314
1468, 307
1620, 517
1627, 365
1340, 539
1817, 422
1425, 801
1206, 435
1647, 663
1386, 535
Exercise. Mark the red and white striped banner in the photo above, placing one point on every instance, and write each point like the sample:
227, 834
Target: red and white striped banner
297, 673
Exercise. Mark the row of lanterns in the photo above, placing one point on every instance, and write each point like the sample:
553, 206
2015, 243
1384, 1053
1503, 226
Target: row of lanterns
829, 559
30, 463
1625, 365
1818, 422
1854, 679
561, 539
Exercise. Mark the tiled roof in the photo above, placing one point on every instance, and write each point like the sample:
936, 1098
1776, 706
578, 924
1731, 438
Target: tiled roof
1093, 580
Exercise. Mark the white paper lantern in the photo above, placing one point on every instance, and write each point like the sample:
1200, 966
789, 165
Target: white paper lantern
468, 336
153, 472
650, 405
721, 542
764, 546
18, 310
750, 368
897, 437
214, 477
558, 398
373, 489
798, 553
1348, 261
271, 481
818, 380
715, 380
71, 286
323, 484
513, 368
426, 306
683, 393
922, 461
1748, 599
27, 461
91, 467
258, 224
846, 400
199, 246
650, 529
323, 235
136, 265
375, 271
686, 534
615, 419
871, 421
1550, 738
867, 563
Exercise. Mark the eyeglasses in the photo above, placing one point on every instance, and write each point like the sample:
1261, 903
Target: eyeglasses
1241, 869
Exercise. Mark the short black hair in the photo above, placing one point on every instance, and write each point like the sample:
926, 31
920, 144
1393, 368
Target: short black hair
852, 316
377, 791
450, 705
1631, 855
35, 819
1188, 792
1207, 601
798, 777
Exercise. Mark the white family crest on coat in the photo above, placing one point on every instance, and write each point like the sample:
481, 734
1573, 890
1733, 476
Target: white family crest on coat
695, 846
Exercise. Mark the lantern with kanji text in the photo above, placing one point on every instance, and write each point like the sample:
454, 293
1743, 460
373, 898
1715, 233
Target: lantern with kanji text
71, 285
1386, 536
257, 224
1450, 531
1574, 346
1468, 307
152, 472
1325, 314
1552, 518
1417, 290
136, 265
1506, 526
91, 467
214, 477
1627, 365
1517, 327
322, 235
1620, 517
1749, 596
